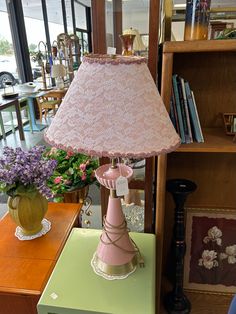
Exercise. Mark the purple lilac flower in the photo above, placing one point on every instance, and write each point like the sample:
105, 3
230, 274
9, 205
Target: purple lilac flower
25, 168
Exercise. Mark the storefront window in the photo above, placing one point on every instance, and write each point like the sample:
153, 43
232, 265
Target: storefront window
55, 19
82, 26
35, 31
8, 67
80, 16
69, 20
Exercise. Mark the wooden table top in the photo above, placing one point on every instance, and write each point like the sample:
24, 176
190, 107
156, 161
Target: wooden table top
25, 266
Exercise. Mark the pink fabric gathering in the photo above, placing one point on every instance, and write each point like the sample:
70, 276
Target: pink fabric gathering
113, 110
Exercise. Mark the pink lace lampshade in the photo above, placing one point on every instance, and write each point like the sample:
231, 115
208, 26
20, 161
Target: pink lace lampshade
113, 109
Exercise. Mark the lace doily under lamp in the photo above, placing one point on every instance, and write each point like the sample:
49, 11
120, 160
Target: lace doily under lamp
113, 109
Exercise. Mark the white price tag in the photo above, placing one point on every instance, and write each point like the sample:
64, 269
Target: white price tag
122, 186
54, 296
111, 50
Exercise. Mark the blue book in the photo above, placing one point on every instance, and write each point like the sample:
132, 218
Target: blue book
185, 112
178, 108
197, 130
174, 110
172, 114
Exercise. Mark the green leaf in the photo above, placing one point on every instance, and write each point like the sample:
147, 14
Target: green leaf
58, 199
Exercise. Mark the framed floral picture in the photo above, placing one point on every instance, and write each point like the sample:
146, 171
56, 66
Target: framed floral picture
210, 260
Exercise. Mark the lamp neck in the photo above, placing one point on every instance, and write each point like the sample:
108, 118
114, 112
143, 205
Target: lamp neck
113, 194
113, 163
113, 166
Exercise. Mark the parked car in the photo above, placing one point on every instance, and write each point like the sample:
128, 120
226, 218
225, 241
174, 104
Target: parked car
8, 70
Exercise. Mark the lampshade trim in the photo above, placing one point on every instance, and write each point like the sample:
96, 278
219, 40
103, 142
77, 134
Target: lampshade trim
112, 272
117, 59
100, 154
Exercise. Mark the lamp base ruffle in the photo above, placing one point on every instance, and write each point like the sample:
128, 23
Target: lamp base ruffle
113, 272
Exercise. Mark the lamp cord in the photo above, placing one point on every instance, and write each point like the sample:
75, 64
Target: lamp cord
122, 228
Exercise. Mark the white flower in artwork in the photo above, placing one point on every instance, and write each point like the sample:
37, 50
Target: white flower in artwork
214, 234
231, 260
208, 259
230, 251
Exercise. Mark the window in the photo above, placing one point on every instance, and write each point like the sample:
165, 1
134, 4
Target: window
69, 17
80, 16
82, 27
8, 67
55, 19
35, 31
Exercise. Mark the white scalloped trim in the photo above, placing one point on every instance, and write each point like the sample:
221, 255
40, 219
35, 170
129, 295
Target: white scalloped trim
46, 227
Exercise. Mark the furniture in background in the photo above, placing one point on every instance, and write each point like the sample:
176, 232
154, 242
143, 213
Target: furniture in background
68, 52
45, 104
25, 266
6, 104
74, 287
49, 101
36, 127
23, 107
208, 67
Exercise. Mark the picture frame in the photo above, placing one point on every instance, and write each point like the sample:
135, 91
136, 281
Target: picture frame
210, 259
229, 120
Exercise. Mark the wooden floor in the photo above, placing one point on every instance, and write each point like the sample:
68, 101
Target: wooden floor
202, 303
207, 304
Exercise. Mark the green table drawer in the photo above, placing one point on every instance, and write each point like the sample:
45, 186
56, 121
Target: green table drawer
74, 288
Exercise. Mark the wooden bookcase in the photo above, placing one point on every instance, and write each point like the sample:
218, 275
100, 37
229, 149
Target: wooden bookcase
209, 66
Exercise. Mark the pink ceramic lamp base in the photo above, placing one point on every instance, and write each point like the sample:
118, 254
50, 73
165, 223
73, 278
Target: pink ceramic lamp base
116, 255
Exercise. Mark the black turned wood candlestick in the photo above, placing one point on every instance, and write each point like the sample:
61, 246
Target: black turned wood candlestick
175, 301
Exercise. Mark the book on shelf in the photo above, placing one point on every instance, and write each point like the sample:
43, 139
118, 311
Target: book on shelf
198, 125
178, 108
184, 113
174, 112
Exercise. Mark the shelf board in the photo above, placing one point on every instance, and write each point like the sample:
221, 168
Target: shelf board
216, 141
199, 46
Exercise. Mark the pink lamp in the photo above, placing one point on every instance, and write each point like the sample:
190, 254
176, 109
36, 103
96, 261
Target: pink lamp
113, 109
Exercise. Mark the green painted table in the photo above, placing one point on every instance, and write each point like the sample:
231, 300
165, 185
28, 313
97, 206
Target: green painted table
74, 288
